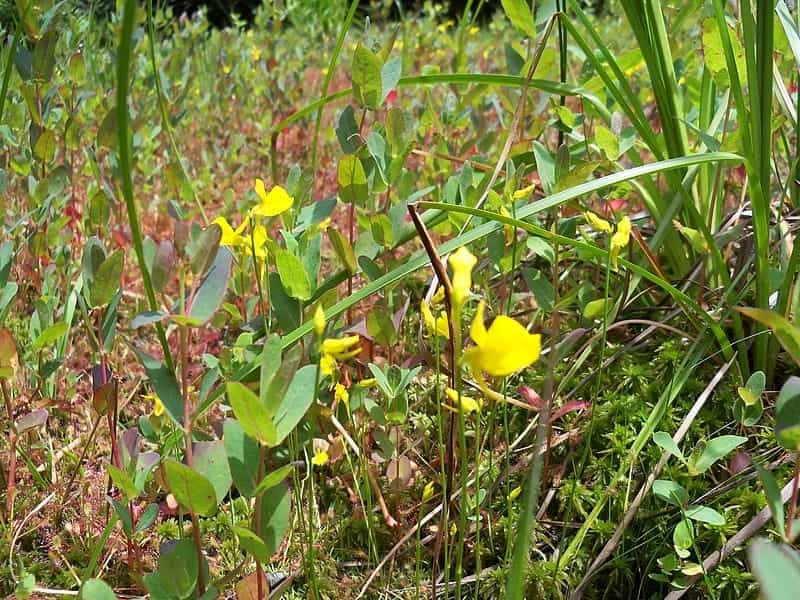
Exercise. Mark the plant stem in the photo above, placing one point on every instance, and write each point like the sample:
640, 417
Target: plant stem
11, 479
793, 502
517, 574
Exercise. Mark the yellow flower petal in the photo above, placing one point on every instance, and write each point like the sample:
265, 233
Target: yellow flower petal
339, 346
320, 458
503, 349
229, 238
514, 494
319, 321
596, 223
464, 403
327, 364
427, 492
366, 383
341, 395
462, 261
524, 192
273, 203
435, 326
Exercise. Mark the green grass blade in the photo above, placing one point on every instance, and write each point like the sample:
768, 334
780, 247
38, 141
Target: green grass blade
485, 229
126, 170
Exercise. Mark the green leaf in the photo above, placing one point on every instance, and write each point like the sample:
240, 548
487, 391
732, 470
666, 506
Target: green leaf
164, 384
106, 279
45, 147
242, 451
205, 249
670, 492
50, 335
390, 75
124, 482
191, 490
177, 568
666, 443
276, 505
597, 309
286, 309
713, 451
211, 461
94, 589
211, 292
343, 250
252, 414
607, 141
683, 535
787, 333
293, 275
295, 402
704, 514
777, 569
252, 543
773, 493
519, 13
366, 76
274, 478
352, 180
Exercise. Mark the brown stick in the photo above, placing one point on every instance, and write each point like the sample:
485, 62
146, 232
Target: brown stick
441, 275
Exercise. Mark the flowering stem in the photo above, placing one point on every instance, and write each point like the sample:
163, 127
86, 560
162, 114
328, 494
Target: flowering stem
519, 562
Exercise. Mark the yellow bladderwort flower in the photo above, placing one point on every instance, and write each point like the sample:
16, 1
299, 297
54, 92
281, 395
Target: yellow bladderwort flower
463, 404
319, 321
435, 326
342, 348
230, 238
320, 458
158, 406
503, 349
474, 30
596, 223
620, 239
524, 192
255, 53
341, 395
327, 365
462, 261
258, 241
438, 297
273, 203
514, 494
427, 491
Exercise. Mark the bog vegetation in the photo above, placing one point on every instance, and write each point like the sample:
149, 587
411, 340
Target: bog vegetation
331, 306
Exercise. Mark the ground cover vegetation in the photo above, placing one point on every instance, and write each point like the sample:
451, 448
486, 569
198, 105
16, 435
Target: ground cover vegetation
326, 305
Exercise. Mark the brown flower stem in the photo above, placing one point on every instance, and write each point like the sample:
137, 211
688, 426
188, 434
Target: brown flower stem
441, 274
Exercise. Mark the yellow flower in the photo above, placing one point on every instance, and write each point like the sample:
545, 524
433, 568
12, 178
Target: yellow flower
596, 223
466, 404
514, 494
366, 383
438, 297
474, 30
503, 349
327, 364
436, 325
342, 348
620, 238
524, 192
319, 321
320, 458
258, 241
230, 238
273, 203
158, 406
462, 261
341, 395
427, 492
255, 53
